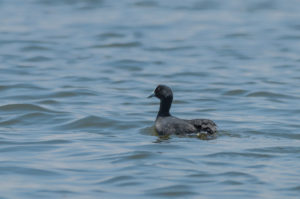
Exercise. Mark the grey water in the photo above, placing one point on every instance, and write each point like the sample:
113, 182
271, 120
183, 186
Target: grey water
75, 121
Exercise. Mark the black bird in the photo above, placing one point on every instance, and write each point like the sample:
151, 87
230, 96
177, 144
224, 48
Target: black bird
166, 124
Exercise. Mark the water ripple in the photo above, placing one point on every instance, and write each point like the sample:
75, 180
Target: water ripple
118, 45
20, 86
277, 149
25, 108
117, 180
235, 92
35, 48
240, 155
268, 94
95, 122
171, 191
28, 171
35, 143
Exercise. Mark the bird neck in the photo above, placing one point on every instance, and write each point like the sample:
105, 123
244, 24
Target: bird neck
165, 105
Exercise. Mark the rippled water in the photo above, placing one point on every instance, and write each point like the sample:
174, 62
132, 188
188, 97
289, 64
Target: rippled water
75, 121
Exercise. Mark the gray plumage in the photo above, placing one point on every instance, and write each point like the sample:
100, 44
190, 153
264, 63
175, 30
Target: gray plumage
166, 124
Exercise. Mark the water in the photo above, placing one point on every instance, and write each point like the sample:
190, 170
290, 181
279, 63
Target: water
75, 121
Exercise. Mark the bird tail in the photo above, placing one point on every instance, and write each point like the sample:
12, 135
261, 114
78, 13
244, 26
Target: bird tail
204, 125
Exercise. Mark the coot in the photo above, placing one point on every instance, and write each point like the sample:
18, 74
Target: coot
166, 124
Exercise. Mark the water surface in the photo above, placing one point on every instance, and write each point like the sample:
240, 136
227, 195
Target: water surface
75, 121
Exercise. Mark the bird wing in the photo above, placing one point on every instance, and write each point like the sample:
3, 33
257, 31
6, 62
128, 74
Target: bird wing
204, 125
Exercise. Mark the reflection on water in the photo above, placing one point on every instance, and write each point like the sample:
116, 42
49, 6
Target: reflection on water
75, 121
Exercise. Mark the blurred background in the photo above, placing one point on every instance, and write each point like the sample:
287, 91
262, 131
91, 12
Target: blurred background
75, 121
